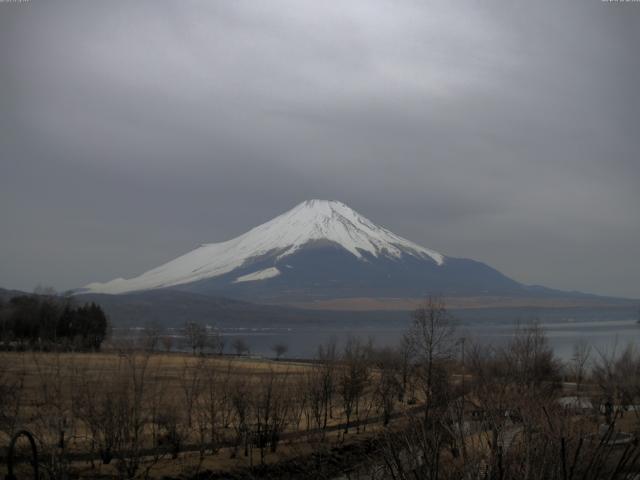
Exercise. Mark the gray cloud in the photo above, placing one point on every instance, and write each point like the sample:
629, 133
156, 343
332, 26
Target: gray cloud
131, 132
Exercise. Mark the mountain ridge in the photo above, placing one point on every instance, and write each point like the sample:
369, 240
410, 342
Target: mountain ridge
318, 251
311, 221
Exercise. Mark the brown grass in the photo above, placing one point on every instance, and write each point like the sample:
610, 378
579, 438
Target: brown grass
49, 381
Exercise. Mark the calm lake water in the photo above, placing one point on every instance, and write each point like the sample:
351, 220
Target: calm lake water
606, 330
604, 336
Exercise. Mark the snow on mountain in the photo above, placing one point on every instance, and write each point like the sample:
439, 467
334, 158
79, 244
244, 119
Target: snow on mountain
259, 275
308, 222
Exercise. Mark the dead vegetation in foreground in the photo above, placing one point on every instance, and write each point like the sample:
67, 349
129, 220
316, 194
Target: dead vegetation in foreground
416, 412
138, 414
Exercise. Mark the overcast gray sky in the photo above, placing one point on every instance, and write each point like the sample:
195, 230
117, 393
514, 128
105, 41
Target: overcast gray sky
507, 132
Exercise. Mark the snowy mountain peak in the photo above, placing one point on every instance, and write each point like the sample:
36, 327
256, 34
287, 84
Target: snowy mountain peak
308, 222
334, 221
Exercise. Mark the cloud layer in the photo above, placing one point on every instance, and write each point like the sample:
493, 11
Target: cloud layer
130, 132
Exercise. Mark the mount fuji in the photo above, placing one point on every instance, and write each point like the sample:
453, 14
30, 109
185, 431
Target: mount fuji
319, 250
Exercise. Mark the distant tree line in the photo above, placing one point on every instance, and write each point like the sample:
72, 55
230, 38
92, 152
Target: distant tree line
45, 322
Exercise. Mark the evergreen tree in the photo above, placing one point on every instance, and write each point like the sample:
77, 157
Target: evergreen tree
50, 321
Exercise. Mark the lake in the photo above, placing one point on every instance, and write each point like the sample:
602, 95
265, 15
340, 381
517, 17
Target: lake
603, 336
605, 329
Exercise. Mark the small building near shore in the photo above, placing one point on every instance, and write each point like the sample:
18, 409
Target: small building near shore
576, 404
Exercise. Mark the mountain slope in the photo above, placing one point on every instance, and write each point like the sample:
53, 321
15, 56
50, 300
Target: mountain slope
318, 250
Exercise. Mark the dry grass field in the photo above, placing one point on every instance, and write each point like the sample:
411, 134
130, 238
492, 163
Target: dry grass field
135, 414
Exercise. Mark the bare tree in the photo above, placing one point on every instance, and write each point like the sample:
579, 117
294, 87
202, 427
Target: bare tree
151, 335
493, 394
314, 399
196, 336
279, 349
415, 453
240, 346
579, 362
431, 337
97, 402
191, 380
270, 409
216, 341
167, 342
531, 358
54, 421
125, 411
214, 406
172, 431
5, 326
353, 376
618, 376
558, 448
515, 388
403, 367
327, 358
299, 405
132, 418
11, 396
240, 398
388, 386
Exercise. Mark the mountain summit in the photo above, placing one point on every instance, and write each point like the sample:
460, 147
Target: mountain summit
318, 249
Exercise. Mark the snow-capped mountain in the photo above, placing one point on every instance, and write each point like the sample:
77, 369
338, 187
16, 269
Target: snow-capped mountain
318, 249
